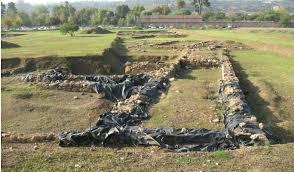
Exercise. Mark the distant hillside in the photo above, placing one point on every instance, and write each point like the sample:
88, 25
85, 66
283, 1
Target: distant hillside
221, 5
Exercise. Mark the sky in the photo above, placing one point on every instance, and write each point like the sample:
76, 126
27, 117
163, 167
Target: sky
49, 1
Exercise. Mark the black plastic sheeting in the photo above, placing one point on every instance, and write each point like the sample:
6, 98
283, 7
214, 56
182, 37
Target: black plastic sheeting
117, 129
239, 112
117, 90
170, 138
121, 128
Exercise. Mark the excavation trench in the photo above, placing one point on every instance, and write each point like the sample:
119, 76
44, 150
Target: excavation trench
110, 62
135, 92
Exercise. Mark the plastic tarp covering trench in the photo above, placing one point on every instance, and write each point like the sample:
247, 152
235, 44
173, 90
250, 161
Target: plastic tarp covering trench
115, 128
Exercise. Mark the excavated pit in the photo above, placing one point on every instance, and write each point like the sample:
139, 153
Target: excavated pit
110, 62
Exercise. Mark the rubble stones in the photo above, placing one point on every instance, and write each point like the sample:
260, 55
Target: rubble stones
238, 118
35, 147
37, 138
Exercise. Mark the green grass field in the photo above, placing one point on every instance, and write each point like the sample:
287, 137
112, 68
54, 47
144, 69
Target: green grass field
267, 159
53, 43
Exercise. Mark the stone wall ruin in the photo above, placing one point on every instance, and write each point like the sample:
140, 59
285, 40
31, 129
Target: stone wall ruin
140, 87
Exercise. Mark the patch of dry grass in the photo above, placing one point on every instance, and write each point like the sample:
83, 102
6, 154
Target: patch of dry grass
27, 109
50, 157
189, 102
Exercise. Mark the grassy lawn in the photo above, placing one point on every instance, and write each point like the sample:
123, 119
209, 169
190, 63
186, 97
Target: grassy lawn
195, 90
22, 157
53, 43
261, 37
269, 80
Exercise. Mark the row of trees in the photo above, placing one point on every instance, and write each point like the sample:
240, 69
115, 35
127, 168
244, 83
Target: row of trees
280, 15
65, 13
123, 15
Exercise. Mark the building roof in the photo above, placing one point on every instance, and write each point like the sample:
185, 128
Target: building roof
171, 19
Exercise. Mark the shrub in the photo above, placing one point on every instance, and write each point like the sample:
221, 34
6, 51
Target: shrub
69, 28
97, 30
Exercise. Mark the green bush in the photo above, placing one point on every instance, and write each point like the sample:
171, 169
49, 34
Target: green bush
69, 28
183, 11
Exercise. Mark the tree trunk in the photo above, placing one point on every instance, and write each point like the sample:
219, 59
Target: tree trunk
199, 6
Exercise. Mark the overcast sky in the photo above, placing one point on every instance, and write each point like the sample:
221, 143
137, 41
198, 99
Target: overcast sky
49, 1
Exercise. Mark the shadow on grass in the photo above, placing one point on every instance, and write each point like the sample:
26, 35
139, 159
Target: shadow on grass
186, 74
259, 107
116, 55
5, 44
6, 35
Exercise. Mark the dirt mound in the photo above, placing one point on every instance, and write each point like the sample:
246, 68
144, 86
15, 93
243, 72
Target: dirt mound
150, 34
5, 44
97, 30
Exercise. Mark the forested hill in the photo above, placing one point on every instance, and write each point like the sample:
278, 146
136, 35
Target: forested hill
222, 5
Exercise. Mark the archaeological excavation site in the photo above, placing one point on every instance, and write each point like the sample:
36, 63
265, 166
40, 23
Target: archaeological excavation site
147, 85
176, 95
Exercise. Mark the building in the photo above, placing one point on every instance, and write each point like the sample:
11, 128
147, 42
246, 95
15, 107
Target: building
170, 20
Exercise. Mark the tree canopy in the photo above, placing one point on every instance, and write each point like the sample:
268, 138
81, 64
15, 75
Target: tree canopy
180, 4
69, 28
123, 15
121, 11
199, 4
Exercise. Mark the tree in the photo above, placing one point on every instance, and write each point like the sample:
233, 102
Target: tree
183, 11
134, 15
25, 18
146, 13
199, 4
180, 4
110, 19
121, 11
240, 17
99, 17
121, 22
103, 17
83, 16
137, 10
285, 20
16, 22
40, 16
10, 17
69, 28
160, 10
53, 21
8, 21
65, 12
11, 9
131, 19
3, 9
